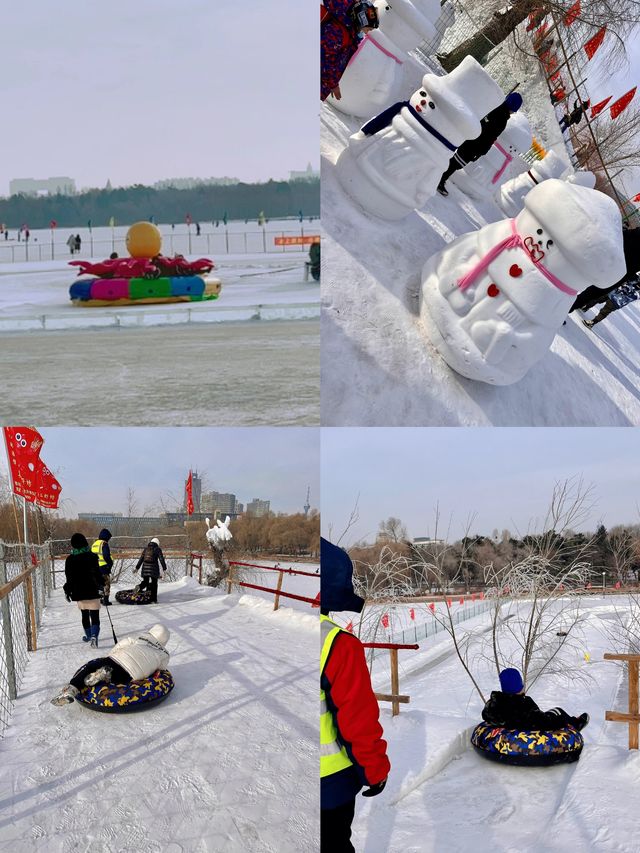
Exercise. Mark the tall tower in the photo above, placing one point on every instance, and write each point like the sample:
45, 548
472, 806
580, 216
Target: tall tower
307, 505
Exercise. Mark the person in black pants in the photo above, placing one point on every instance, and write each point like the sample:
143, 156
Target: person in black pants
84, 586
511, 708
151, 559
493, 125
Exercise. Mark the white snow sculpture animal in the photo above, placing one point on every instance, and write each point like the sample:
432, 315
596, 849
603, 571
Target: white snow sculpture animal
492, 301
217, 537
393, 164
484, 176
373, 78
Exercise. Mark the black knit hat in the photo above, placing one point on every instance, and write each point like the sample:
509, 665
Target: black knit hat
78, 540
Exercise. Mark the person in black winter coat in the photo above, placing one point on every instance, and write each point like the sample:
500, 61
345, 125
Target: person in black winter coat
511, 708
575, 117
593, 295
493, 125
84, 586
151, 559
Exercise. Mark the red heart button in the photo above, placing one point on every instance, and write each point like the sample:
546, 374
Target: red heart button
515, 271
493, 290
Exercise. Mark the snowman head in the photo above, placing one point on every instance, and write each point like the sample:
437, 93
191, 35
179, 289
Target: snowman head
575, 232
460, 99
408, 22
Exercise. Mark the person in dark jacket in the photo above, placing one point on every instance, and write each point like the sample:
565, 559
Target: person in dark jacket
84, 586
341, 23
105, 560
493, 125
352, 751
151, 559
575, 117
592, 296
511, 708
628, 292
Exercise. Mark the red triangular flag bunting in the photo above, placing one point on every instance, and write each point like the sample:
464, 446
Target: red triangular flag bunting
412, 613
385, 621
349, 628
636, 197
572, 14
432, 607
594, 43
597, 108
622, 103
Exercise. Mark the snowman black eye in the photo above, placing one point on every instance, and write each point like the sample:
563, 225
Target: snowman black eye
539, 231
432, 105
549, 243
423, 94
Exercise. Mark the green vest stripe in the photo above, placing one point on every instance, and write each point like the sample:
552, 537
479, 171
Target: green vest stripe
333, 756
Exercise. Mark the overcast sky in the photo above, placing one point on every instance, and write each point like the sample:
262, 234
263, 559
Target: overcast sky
135, 92
504, 476
97, 466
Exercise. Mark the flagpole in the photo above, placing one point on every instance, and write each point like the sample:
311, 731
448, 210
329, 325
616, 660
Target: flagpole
24, 523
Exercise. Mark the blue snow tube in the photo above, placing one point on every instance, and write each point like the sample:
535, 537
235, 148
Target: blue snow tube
130, 596
527, 748
122, 698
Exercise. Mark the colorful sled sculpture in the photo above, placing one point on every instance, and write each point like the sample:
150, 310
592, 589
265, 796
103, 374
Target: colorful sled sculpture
146, 277
527, 748
132, 596
140, 291
135, 696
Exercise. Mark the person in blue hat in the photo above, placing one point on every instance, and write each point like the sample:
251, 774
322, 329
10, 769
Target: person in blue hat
493, 125
511, 708
352, 752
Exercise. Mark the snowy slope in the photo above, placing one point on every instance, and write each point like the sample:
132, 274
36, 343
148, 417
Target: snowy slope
378, 367
227, 762
442, 795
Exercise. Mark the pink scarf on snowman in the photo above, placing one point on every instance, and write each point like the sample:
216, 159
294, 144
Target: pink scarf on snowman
515, 241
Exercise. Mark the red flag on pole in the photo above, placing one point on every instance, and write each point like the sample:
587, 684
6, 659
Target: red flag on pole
30, 477
432, 607
449, 602
189, 490
412, 613
188, 219
53, 224
617, 585
385, 621
594, 43
461, 600
597, 108
622, 103
473, 596
572, 14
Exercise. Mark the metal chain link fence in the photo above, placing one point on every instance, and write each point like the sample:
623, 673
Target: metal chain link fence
25, 583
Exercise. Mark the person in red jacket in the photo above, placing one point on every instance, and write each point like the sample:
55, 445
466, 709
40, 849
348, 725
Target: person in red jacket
341, 23
353, 754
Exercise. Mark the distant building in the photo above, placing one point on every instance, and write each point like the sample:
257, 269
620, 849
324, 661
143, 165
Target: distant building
123, 525
44, 186
424, 541
258, 507
309, 174
220, 503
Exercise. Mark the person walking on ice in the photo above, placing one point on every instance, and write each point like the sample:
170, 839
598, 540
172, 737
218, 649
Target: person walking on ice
511, 708
101, 548
84, 586
352, 751
132, 659
151, 559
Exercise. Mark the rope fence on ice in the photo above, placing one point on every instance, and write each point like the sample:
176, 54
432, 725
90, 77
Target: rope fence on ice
25, 583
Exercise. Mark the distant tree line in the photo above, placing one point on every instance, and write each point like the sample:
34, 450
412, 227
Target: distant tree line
209, 203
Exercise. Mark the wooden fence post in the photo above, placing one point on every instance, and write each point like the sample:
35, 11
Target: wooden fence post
230, 578
200, 569
395, 682
276, 602
632, 717
5, 610
32, 629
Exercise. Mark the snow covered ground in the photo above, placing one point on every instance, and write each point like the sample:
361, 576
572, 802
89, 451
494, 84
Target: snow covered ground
227, 762
379, 368
443, 796
35, 296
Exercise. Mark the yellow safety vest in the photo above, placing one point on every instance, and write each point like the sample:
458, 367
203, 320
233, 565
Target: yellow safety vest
333, 756
97, 549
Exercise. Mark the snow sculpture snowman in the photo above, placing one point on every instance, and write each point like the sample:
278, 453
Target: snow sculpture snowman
492, 301
582, 177
217, 538
373, 78
484, 176
510, 197
393, 164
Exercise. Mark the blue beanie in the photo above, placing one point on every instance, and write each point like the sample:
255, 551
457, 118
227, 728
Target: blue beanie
336, 579
513, 101
511, 681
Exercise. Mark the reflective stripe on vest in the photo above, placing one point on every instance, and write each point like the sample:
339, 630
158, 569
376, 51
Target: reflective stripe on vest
97, 549
333, 756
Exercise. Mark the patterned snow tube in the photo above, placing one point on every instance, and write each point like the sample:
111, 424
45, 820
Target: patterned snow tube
130, 596
135, 696
527, 748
